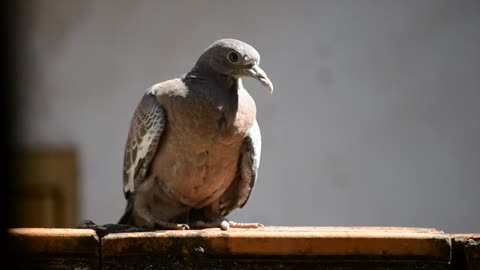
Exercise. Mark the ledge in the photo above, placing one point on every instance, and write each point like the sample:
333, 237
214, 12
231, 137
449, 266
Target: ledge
466, 251
282, 241
39, 248
290, 246
265, 248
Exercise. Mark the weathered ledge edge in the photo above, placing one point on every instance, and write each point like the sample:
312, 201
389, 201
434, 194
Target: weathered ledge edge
82, 247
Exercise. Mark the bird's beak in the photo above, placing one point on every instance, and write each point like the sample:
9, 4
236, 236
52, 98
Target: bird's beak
256, 72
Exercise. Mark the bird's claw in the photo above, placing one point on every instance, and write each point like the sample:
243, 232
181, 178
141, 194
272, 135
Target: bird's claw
182, 227
226, 224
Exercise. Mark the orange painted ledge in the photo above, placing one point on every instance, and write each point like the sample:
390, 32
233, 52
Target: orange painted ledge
41, 248
36, 240
285, 241
288, 247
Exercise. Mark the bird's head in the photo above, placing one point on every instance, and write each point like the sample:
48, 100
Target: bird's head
235, 58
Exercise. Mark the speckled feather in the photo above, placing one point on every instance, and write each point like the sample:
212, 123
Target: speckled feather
145, 130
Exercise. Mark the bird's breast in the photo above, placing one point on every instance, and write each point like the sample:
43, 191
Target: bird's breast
198, 154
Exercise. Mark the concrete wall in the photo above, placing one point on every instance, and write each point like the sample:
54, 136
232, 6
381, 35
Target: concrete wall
374, 119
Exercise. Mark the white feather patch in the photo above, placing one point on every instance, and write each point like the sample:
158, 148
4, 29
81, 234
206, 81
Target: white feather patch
143, 147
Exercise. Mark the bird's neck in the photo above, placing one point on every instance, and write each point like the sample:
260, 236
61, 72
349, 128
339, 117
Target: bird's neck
207, 79
220, 90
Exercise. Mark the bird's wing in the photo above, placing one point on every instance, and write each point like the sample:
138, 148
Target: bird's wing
239, 191
146, 128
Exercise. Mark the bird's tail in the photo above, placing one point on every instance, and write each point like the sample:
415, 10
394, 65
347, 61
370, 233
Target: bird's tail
127, 216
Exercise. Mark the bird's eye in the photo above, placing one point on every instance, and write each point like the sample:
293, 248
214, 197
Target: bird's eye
233, 57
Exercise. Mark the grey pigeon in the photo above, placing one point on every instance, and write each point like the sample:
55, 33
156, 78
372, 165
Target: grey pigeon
193, 148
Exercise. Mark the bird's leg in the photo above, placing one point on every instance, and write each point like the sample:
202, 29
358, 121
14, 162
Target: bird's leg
233, 224
211, 217
152, 221
224, 224
200, 224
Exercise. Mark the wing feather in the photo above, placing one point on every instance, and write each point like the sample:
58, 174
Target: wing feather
146, 128
239, 191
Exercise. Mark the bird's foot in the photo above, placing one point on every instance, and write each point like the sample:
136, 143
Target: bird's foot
225, 225
165, 225
162, 225
182, 227
154, 222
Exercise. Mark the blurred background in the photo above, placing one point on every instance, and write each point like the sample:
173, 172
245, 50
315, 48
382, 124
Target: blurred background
374, 120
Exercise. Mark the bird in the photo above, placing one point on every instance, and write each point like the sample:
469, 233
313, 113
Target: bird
194, 144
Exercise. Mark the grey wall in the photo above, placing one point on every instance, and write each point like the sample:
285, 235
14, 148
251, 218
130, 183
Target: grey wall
373, 121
